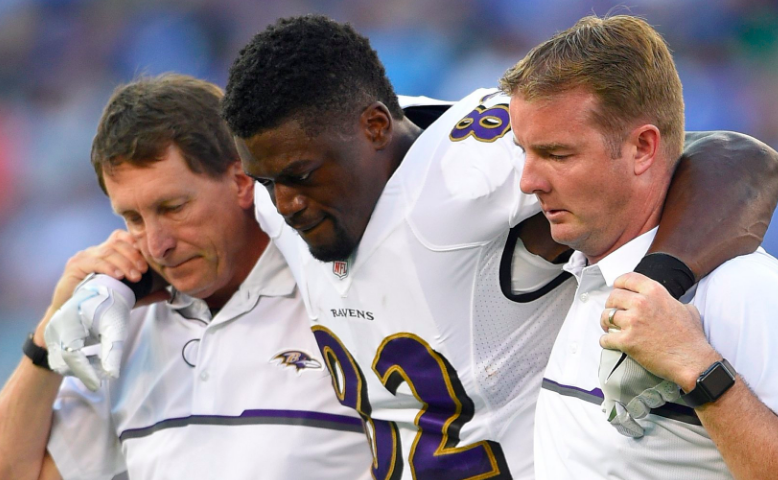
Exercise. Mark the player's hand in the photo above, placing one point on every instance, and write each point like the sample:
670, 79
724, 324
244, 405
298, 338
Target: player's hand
98, 311
117, 257
630, 392
657, 331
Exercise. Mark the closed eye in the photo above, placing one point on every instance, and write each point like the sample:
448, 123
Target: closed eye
132, 219
302, 178
172, 208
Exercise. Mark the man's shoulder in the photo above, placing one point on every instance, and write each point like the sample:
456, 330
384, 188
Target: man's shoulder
744, 273
748, 279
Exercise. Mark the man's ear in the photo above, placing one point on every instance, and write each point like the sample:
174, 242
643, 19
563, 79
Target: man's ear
377, 124
646, 140
244, 185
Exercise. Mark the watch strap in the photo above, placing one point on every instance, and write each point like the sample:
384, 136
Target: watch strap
37, 354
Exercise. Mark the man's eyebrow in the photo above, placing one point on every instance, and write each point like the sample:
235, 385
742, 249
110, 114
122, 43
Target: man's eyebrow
158, 203
549, 147
294, 167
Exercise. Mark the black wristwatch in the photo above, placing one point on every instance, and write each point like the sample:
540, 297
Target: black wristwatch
38, 355
711, 384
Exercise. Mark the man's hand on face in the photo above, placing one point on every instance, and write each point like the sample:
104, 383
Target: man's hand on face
659, 332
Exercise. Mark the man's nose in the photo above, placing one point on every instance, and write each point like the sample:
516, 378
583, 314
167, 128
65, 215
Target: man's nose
160, 240
532, 180
288, 200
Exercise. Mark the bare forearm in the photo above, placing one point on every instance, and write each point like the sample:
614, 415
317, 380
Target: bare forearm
745, 431
720, 202
25, 420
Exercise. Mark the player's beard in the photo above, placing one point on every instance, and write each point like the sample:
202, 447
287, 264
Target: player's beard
341, 247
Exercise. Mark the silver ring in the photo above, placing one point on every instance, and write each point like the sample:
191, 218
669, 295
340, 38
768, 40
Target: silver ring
610, 316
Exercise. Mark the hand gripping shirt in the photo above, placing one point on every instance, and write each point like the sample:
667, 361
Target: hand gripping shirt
242, 395
573, 439
419, 327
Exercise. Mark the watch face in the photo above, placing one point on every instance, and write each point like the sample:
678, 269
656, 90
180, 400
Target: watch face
718, 381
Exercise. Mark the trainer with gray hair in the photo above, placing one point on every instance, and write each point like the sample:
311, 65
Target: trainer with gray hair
221, 380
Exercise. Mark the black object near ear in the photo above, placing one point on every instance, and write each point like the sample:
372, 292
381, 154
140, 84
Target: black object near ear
142, 287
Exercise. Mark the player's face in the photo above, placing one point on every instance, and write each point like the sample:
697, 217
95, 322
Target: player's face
190, 228
325, 186
582, 190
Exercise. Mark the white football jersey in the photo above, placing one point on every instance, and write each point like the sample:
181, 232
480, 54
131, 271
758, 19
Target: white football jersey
419, 327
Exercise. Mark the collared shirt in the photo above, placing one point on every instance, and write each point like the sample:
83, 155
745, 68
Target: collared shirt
242, 395
573, 439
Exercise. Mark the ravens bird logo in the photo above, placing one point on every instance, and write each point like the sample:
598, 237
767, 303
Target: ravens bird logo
297, 359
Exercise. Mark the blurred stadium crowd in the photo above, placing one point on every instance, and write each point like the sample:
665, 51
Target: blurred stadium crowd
60, 60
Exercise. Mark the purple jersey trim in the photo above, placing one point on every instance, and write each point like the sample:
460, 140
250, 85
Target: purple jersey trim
673, 411
254, 417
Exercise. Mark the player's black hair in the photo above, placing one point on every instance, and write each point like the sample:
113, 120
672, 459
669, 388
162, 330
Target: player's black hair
308, 68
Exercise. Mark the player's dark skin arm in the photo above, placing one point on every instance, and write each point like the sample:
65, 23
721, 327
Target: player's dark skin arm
719, 205
724, 192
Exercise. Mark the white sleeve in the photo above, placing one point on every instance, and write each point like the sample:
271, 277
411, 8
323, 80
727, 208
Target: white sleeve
270, 221
470, 191
83, 440
530, 272
738, 302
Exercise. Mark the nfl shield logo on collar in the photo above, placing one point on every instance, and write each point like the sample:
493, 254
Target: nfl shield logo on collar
340, 268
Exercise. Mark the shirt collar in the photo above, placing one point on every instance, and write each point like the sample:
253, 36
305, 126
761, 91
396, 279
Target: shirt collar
622, 260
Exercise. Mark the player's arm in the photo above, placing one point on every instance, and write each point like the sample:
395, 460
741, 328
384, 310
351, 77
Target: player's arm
27, 399
718, 207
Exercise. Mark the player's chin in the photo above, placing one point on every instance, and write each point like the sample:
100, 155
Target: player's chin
329, 242
330, 248
331, 252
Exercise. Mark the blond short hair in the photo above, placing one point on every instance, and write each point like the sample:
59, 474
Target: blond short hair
624, 62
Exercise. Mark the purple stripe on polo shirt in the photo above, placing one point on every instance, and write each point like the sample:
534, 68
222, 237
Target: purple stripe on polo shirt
672, 411
592, 396
255, 417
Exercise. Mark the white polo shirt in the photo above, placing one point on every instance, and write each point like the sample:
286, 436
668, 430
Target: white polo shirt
242, 395
573, 439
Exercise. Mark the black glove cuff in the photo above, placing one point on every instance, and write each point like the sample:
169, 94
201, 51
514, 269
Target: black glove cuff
38, 355
676, 277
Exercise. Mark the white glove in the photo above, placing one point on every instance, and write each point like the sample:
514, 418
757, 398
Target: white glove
630, 392
98, 312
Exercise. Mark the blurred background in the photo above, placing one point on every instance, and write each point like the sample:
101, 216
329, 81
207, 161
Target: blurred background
60, 60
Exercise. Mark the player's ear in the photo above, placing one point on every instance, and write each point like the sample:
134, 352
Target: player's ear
377, 124
244, 185
645, 139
